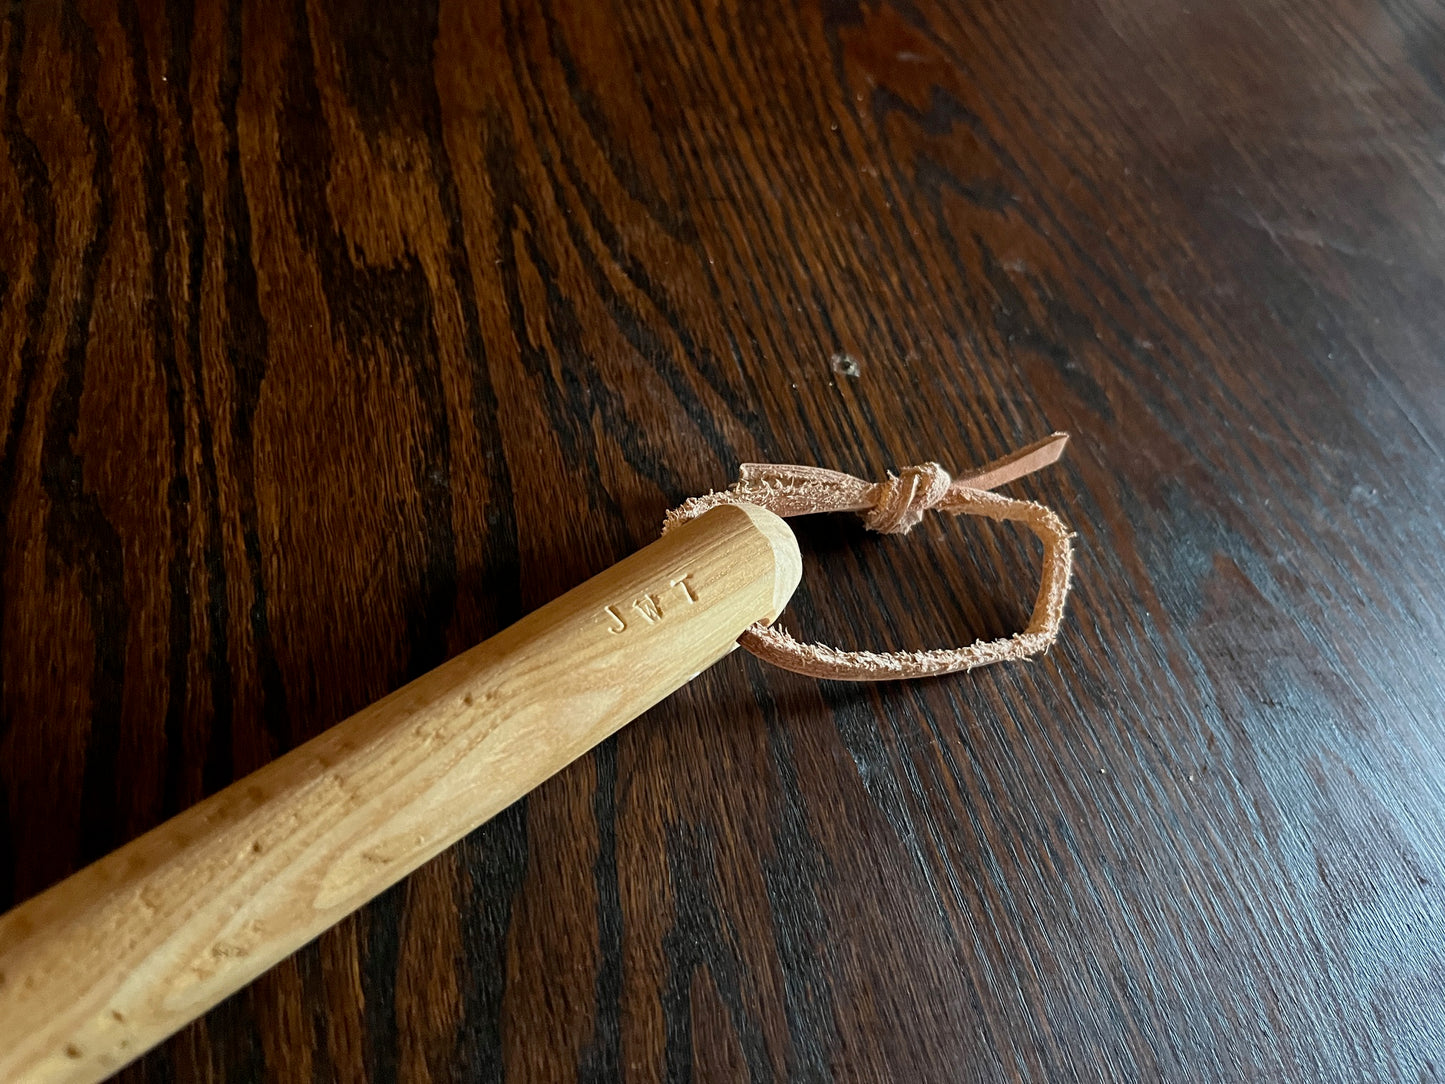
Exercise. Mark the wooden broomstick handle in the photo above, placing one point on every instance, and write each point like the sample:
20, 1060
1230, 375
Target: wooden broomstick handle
109, 962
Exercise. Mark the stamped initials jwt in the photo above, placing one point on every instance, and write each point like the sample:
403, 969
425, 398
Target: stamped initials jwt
652, 607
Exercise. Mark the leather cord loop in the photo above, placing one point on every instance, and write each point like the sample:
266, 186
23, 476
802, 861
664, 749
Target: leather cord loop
896, 506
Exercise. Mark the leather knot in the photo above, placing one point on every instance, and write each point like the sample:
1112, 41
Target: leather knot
899, 503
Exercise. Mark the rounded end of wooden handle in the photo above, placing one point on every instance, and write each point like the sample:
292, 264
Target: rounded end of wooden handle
787, 558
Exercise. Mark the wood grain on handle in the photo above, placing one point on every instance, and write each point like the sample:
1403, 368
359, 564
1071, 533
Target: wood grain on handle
109, 962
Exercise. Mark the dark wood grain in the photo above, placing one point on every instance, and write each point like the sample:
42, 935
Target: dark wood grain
337, 336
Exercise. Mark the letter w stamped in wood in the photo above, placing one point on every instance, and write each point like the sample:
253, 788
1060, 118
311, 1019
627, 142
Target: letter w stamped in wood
653, 607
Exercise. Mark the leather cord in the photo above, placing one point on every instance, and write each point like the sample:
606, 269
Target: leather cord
895, 506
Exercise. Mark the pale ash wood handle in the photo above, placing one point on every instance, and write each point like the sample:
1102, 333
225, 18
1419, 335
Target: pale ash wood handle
109, 962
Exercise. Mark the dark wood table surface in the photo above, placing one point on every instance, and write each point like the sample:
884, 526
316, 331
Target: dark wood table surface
338, 336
